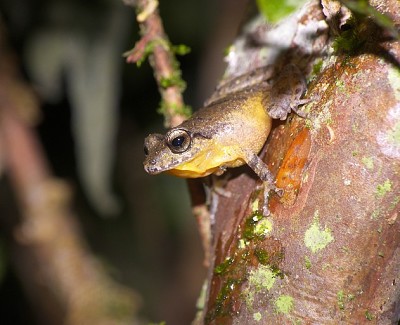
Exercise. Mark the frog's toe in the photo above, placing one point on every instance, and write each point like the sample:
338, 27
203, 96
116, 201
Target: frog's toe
222, 192
266, 211
279, 191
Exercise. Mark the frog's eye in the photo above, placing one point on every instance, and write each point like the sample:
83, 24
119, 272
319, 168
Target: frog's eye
178, 140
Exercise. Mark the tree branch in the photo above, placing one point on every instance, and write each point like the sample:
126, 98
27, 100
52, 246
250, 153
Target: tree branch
154, 42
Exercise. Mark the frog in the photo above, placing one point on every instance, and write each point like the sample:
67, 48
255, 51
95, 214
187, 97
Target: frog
230, 130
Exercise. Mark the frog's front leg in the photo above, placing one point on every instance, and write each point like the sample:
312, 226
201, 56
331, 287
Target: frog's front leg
263, 172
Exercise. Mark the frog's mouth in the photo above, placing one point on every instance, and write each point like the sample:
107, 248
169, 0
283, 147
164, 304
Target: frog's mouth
152, 170
204, 166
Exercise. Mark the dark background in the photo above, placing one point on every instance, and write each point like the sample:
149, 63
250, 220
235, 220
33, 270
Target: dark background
152, 244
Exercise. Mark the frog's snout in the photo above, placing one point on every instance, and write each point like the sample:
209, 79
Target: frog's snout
150, 169
150, 166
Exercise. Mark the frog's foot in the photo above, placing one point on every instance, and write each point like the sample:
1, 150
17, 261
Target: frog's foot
278, 113
268, 184
278, 191
222, 192
298, 111
218, 185
267, 187
266, 211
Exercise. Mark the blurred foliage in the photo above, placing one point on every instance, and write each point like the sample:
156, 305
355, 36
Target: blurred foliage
275, 10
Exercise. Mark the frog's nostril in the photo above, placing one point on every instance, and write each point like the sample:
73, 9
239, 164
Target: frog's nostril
146, 150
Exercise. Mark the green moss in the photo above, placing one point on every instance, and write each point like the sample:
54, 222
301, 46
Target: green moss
307, 262
343, 298
345, 249
275, 10
183, 110
226, 290
255, 205
233, 271
257, 226
180, 49
384, 188
308, 124
368, 162
351, 39
148, 49
368, 315
174, 80
262, 256
257, 316
340, 85
222, 301
277, 271
242, 243
394, 203
248, 296
317, 67
262, 278
263, 227
347, 42
375, 214
284, 304
315, 238
222, 268
340, 300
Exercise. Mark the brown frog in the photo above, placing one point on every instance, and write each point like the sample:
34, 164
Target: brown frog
230, 131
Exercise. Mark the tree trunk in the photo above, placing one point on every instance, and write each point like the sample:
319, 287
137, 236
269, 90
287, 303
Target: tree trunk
329, 252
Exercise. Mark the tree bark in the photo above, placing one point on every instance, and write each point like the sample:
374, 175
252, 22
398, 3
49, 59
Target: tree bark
329, 252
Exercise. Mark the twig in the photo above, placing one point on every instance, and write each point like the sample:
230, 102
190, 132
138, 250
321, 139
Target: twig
155, 43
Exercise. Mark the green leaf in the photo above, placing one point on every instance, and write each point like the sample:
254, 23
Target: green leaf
275, 10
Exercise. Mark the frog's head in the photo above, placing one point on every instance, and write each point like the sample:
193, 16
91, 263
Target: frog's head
169, 152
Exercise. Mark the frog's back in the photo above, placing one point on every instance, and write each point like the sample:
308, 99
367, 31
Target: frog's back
238, 123
227, 113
